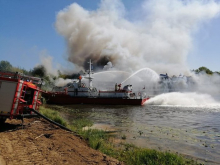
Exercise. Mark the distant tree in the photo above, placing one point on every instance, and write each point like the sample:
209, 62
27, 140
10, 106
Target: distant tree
203, 69
5, 65
39, 71
25, 71
217, 72
70, 76
20, 70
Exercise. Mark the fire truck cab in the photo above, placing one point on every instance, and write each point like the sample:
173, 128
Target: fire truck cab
18, 93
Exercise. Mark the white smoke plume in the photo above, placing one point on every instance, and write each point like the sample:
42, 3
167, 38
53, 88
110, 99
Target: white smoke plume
159, 39
61, 82
108, 66
208, 83
52, 69
47, 62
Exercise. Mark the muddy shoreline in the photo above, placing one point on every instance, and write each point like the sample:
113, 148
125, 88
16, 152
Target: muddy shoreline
40, 142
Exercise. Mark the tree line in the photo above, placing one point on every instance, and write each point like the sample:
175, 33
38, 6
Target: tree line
204, 69
40, 71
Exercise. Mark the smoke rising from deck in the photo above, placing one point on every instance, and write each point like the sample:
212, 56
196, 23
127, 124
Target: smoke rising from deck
159, 39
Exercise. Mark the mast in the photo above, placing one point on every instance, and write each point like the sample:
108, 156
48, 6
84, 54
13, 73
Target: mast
90, 72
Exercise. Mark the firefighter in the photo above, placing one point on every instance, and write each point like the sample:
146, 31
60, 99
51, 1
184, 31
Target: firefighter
116, 87
119, 87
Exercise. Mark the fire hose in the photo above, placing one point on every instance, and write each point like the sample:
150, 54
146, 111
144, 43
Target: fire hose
51, 121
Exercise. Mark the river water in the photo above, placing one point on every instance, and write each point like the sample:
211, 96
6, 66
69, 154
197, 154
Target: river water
189, 130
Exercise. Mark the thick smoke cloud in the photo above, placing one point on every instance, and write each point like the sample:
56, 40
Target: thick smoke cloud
159, 39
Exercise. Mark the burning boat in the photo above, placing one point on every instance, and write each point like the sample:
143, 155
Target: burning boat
77, 92
179, 83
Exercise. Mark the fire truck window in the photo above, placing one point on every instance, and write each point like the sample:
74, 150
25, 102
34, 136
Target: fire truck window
29, 96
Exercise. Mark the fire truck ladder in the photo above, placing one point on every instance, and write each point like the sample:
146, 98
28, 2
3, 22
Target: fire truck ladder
23, 91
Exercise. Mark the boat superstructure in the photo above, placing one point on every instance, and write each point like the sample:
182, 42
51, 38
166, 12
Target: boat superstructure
78, 92
175, 83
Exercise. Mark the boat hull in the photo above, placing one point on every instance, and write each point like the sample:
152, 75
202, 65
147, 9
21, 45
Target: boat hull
66, 99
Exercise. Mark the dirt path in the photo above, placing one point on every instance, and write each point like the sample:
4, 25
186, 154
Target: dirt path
40, 142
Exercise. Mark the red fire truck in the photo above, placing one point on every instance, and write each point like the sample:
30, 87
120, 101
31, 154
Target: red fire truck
18, 93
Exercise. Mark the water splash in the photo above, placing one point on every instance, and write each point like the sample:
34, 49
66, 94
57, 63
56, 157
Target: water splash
191, 99
152, 73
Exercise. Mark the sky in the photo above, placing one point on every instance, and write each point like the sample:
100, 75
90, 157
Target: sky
28, 31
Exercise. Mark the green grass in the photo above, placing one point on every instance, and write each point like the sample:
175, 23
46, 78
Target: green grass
130, 154
80, 123
136, 156
95, 137
100, 140
53, 115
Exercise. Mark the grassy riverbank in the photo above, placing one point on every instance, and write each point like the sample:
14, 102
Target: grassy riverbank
101, 140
